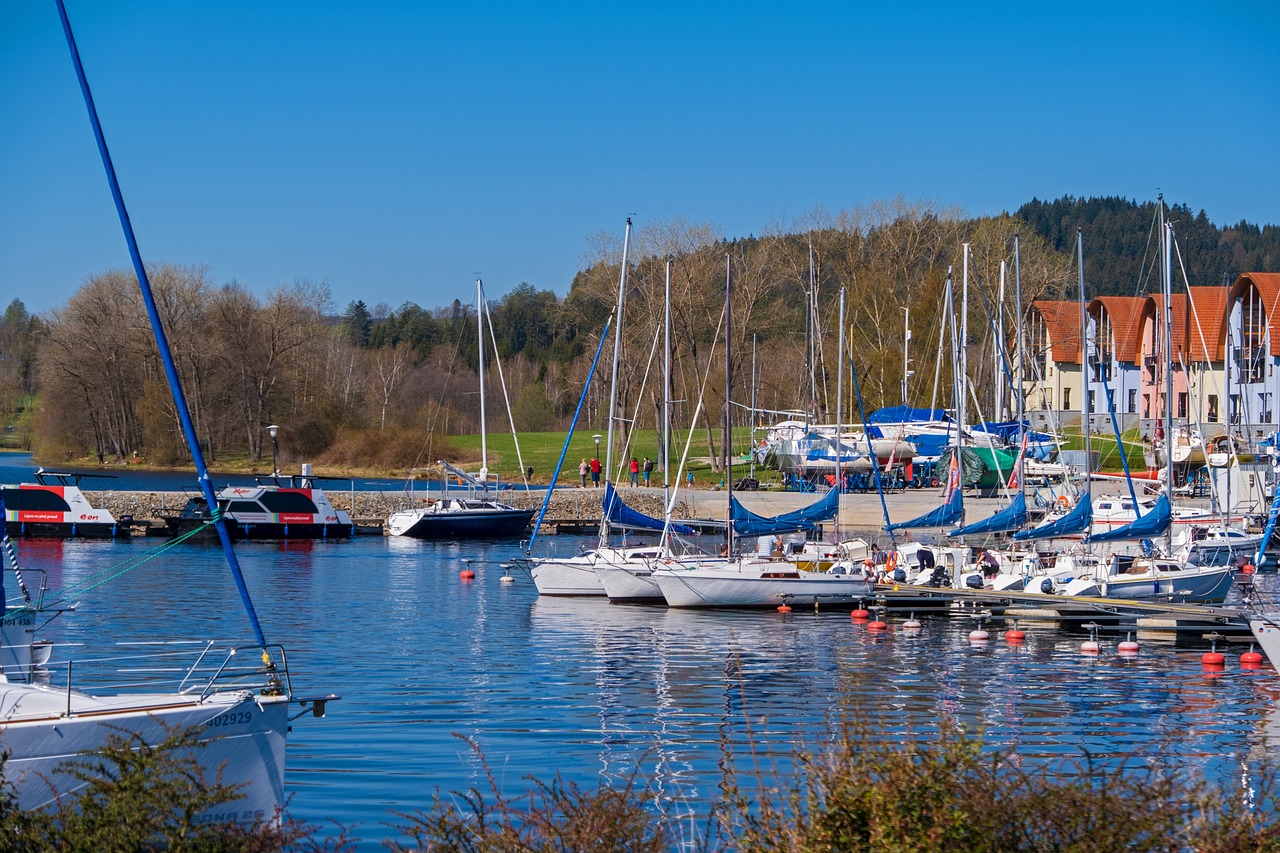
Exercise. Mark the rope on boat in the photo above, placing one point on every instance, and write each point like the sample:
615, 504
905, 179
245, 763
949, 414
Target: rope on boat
120, 569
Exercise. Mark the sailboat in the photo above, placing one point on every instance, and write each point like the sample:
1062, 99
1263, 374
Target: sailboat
761, 579
468, 517
1151, 575
239, 698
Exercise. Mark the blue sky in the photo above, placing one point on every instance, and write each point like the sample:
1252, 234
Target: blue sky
396, 149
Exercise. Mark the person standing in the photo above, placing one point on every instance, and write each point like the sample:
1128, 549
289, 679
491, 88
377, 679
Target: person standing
595, 473
583, 470
635, 471
648, 469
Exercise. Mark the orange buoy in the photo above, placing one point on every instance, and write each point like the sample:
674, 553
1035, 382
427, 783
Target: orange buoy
877, 626
784, 608
466, 574
1213, 659
1251, 659
1015, 635
860, 614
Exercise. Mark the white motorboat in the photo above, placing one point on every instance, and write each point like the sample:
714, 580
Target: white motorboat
54, 506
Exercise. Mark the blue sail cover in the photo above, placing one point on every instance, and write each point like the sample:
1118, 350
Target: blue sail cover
1270, 529
1143, 527
944, 516
906, 414
747, 523
1012, 517
621, 515
1076, 521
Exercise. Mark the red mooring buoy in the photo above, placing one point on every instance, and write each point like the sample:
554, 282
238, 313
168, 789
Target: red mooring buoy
1251, 659
1015, 636
466, 574
859, 614
1213, 660
877, 626
784, 608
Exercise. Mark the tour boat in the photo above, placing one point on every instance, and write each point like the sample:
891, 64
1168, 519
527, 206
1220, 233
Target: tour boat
53, 506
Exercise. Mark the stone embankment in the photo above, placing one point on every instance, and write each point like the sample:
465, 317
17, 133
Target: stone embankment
374, 507
858, 511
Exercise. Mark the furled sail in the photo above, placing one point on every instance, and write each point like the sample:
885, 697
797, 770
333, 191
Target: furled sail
747, 523
1075, 521
1144, 526
1012, 517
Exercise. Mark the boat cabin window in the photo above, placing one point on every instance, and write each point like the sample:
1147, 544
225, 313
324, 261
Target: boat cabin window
34, 499
287, 502
243, 506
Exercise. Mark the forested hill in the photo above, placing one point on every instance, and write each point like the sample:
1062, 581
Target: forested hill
1120, 237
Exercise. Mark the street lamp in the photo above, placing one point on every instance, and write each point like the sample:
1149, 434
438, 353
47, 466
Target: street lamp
597, 437
275, 450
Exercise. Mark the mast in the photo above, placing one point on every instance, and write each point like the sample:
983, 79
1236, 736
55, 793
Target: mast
666, 391
811, 411
752, 422
906, 344
1021, 389
840, 418
728, 387
997, 355
617, 352
1167, 284
962, 379
613, 385
484, 438
1084, 367
162, 341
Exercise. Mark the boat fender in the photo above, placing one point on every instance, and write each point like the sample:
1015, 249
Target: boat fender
1064, 502
1046, 585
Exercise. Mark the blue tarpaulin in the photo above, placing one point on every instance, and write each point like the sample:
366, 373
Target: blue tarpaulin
747, 523
944, 516
906, 414
1012, 517
621, 515
1144, 526
1076, 521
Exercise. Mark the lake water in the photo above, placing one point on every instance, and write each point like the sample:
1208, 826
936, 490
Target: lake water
599, 691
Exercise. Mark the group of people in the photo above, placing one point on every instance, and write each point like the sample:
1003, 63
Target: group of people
636, 468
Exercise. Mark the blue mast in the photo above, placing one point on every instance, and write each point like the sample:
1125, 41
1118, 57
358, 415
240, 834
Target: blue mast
162, 342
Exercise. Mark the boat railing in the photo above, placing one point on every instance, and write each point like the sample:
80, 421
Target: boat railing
188, 668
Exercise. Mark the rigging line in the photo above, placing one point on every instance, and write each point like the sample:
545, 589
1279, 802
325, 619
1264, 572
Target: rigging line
702, 390
555, 475
630, 427
122, 568
493, 338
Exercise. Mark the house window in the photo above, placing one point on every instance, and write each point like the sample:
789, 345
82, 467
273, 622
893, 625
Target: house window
1235, 408
1093, 406
1182, 404
1146, 405
1066, 398
1213, 408
1133, 400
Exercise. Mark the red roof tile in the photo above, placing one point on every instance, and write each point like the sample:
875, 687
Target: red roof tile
1062, 322
1125, 312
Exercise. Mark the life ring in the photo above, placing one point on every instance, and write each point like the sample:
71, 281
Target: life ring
892, 562
1064, 502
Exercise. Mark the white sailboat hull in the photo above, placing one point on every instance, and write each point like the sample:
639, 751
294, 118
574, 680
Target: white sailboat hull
244, 740
754, 583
